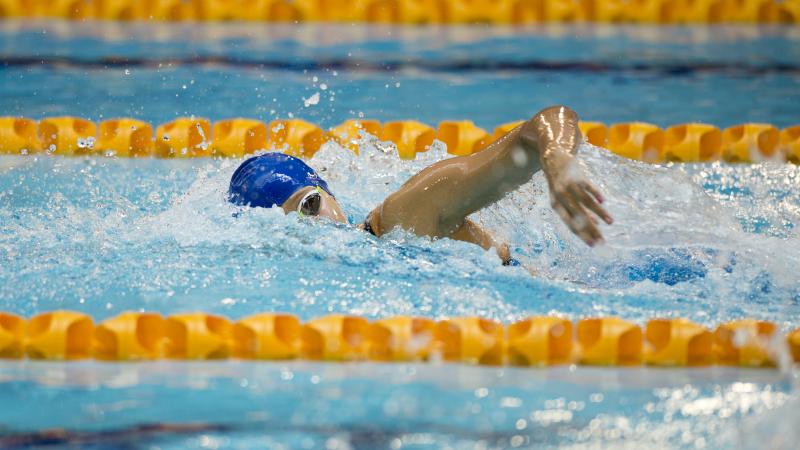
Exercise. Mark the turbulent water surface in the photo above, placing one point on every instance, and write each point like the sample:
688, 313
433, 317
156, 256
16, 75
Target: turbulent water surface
711, 243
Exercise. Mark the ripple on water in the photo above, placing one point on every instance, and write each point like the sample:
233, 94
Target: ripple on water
710, 242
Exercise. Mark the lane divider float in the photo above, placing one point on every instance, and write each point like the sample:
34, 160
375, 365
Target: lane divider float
416, 11
534, 341
191, 137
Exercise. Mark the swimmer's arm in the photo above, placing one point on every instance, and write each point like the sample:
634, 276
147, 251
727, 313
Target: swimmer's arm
474, 234
437, 200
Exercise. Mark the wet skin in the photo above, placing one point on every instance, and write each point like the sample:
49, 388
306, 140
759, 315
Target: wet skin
436, 201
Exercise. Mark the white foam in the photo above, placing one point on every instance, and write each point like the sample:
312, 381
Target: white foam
659, 212
731, 247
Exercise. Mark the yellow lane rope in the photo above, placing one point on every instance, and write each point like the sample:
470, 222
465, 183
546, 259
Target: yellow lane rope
534, 341
196, 137
416, 11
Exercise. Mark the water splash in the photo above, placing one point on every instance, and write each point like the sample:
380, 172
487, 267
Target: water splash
678, 233
710, 242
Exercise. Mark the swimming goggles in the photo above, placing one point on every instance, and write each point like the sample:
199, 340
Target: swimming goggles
310, 203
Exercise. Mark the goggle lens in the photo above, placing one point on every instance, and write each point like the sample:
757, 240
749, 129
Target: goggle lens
310, 204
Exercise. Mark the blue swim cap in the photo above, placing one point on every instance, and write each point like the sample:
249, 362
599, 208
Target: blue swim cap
270, 179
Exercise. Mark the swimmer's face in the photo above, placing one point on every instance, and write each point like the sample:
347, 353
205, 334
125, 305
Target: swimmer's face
313, 202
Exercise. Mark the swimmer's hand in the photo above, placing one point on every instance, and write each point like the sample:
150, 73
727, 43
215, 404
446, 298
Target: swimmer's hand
554, 132
574, 198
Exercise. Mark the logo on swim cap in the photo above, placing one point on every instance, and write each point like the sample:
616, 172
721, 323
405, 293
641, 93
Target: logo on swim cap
270, 179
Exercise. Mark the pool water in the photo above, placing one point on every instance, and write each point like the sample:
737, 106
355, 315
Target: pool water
708, 242
721, 75
390, 406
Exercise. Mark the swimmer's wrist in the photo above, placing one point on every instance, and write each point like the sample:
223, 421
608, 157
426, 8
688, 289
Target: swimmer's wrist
554, 158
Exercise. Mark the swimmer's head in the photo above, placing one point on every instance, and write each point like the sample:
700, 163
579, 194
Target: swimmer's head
276, 179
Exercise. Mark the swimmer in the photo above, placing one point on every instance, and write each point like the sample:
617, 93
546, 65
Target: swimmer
437, 201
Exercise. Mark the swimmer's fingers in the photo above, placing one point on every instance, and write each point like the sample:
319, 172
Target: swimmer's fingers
581, 218
587, 229
567, 200
593, 190
592, 202
577, 220
594, 220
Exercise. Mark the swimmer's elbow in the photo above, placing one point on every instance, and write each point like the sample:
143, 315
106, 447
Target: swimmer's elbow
554, 124
560, 113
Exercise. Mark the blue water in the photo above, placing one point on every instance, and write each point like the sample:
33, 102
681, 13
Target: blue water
723, 75
380, 406
103, 235
711, 243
